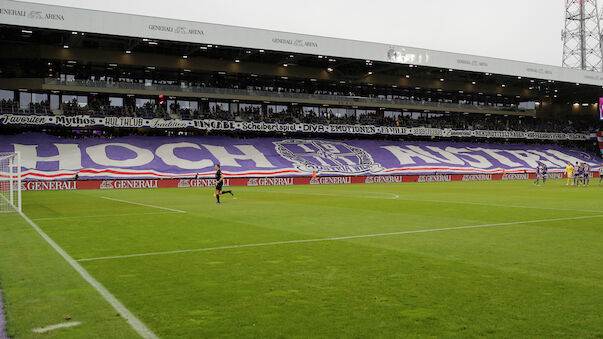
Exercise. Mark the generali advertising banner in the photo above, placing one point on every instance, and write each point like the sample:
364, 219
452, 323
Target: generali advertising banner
66, 185
46, 157
227, 125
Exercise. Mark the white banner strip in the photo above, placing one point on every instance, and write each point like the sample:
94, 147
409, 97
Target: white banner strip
226, 125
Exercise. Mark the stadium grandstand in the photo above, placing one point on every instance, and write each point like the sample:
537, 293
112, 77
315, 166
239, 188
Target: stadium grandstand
106, 101
118, 65
115, 74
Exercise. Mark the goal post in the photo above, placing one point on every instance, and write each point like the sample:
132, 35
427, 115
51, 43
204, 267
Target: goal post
10, 182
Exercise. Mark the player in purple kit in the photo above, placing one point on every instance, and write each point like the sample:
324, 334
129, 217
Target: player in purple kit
580, 175
538, 174
586, 174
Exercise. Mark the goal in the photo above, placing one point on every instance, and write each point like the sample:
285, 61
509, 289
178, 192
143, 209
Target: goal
10, 182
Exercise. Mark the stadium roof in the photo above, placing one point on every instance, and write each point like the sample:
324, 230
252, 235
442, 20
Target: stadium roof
31, 15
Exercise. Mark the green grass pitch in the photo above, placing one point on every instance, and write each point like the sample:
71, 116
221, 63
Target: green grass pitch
460, 259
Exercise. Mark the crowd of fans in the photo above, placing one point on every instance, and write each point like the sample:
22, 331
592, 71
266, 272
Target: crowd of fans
9, 106
99, 106
496, 122
423, 96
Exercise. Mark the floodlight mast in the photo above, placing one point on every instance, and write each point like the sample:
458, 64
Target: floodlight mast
582, 36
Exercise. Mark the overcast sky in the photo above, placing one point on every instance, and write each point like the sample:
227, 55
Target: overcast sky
525, 30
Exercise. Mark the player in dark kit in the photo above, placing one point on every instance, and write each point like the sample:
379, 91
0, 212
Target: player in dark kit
219, 184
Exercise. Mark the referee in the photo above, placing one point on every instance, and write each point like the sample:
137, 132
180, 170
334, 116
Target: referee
219, 184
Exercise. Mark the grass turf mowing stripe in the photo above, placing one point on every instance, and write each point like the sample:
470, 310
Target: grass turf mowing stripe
397, 197
141, 204
338, 238
390, 196
501, 205
134, 322
100, 216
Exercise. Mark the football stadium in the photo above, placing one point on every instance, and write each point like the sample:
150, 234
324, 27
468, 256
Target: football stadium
162, 178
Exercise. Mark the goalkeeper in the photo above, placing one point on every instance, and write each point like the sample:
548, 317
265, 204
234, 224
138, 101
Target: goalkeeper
569, 170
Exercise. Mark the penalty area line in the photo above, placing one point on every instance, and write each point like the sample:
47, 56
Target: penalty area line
132, 320
338, 238
141, 204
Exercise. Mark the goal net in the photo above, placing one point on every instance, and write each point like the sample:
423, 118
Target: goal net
10, 182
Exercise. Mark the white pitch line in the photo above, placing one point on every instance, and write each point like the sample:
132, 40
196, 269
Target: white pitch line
338, 238
141, 204
56, 327
103, 215
136, 324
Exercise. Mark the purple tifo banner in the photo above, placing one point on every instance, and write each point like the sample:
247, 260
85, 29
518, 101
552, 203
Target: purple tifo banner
50, 158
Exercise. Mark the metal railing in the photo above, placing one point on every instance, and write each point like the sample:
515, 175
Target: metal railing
31, 109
